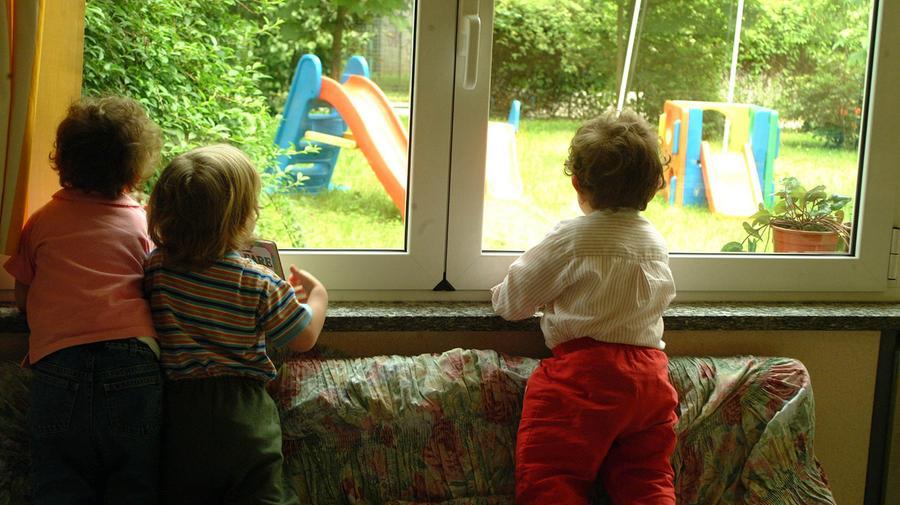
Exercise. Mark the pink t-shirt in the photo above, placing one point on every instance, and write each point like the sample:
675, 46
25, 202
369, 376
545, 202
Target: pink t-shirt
82, 256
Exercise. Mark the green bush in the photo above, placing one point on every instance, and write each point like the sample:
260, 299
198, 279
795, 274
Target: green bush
827, 92
553, 56
191, 64
808, 60
684, 52
565, 58
188, 62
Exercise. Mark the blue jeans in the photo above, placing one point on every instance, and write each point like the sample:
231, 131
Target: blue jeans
95, 423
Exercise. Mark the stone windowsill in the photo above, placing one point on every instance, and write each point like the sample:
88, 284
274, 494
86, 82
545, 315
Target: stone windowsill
478, 316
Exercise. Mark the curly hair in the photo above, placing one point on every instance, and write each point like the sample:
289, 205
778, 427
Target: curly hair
204, 205
616, 161
105, 145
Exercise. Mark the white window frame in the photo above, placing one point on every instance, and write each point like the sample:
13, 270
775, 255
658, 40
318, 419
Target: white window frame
469, 268
448, 130
421, 265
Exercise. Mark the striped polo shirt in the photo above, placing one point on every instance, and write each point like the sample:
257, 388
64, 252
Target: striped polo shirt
604, 275
219, 321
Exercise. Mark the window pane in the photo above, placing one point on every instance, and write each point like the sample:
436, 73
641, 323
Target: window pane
795, 112
222, 72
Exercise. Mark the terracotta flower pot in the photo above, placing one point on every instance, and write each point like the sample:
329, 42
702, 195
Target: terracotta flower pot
787, 240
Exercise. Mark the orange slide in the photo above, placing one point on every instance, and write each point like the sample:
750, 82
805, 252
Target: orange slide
376, 129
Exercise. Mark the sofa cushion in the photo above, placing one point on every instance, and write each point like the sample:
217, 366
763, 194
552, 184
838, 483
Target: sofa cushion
394, 429
441, 429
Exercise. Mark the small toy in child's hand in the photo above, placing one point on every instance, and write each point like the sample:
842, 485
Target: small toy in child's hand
265, 252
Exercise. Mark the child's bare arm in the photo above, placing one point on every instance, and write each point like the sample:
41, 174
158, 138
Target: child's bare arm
316, 296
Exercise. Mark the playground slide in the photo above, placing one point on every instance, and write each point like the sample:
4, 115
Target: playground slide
376, 130
732, 186
502, 162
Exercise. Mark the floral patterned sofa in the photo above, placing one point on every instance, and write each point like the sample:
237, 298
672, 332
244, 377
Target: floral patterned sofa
441, 429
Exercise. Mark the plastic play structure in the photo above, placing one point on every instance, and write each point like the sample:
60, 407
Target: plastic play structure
356, 103
502, 178
732, 182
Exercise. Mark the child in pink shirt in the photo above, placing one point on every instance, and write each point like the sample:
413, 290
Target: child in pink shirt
602, 406
96, 396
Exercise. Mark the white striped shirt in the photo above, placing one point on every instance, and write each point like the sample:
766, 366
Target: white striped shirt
604, 275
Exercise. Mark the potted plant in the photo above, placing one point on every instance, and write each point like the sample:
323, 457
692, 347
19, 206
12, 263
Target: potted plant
800, 221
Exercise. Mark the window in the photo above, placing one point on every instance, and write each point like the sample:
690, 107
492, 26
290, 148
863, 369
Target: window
486, 95
377, 236
739, 109
358, 195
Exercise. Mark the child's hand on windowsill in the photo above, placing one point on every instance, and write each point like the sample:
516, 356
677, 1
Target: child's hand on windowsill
303, 282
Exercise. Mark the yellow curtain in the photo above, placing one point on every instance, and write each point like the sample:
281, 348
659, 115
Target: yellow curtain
20, 50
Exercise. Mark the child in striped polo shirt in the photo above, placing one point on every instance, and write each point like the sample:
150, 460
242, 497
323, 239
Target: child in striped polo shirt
603, 404
217, 316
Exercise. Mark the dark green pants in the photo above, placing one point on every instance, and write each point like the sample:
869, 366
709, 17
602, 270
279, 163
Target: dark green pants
221, 443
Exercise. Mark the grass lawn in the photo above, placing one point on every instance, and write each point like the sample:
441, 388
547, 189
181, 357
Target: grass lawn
362, 216
357, 215
542, 147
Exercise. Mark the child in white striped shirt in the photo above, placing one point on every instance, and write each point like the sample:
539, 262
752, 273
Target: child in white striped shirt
602, 405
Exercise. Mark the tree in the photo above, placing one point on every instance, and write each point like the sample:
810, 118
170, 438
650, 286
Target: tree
808, 59
830, 98
331, 29
683, 52
339, 16
553, 56
805, 59
566, 57
192, 64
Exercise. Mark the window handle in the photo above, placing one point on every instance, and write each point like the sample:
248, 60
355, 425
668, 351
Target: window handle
470, 37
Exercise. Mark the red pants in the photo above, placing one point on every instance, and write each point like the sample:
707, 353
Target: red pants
597, 409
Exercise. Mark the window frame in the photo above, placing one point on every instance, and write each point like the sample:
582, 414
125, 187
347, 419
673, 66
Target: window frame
421, 265
865, 270
446, 192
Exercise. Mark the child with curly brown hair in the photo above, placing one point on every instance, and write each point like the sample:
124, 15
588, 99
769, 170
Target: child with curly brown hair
602, 405
95, 403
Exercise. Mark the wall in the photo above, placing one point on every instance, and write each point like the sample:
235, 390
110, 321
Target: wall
892, 484
841, 366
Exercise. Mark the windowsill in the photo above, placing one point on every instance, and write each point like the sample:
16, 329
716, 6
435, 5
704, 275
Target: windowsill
478, 316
